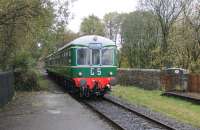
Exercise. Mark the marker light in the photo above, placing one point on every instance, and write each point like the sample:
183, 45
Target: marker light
80, 73
111, 73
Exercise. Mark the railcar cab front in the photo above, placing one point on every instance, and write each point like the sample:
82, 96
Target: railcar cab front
95, 55
95, 65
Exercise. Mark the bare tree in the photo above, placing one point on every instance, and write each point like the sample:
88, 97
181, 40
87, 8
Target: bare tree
113, 23
167, 12
192, 16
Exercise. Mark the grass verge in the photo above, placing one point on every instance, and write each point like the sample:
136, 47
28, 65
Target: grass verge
42, 83
173, 107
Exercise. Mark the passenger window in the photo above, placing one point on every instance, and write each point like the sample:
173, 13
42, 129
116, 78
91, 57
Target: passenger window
107, 57
95, 56
83, 56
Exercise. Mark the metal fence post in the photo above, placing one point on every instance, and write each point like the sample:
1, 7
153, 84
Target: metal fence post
6, 87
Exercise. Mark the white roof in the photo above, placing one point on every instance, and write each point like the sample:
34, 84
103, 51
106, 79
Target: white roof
86, 40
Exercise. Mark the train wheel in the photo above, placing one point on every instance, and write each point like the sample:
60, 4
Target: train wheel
88, 93
81, 92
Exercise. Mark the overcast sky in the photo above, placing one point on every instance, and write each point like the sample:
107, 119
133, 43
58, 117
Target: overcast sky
84, 8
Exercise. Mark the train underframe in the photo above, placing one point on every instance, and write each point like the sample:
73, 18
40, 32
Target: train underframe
83, 87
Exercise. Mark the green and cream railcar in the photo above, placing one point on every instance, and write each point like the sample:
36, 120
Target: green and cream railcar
87, 65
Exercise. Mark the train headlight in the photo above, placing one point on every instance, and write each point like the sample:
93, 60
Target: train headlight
111, 73
80, 73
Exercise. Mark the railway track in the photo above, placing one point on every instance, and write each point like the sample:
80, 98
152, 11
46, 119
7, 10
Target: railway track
124, 117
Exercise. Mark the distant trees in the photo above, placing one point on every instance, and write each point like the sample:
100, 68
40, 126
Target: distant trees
192, 18
185, 48
113, 23
167, 12
140, 32
16, 26
162, 33
92, 25
24, 24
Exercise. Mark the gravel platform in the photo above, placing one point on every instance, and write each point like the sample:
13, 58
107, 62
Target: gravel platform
154, 115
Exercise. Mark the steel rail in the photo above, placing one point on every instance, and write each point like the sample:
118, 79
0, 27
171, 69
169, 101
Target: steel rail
165, 125
103, 115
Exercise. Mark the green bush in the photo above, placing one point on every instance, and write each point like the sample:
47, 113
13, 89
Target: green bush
26, 80
23, 60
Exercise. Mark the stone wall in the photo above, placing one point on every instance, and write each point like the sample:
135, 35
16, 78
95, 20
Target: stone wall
145, 78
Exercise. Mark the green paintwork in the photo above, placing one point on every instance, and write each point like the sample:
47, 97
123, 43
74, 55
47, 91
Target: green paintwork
73, 56
86, 71
72, 70
62, 71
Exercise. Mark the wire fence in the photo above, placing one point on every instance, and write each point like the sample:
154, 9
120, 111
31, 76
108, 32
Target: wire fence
6, 87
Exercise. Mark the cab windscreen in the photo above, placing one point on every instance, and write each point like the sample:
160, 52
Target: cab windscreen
107, 57
95, 56
83, 56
